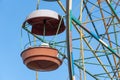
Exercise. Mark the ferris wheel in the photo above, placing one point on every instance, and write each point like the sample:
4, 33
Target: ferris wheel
86, 35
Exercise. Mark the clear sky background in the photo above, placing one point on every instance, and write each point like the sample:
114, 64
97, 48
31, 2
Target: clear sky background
12, 14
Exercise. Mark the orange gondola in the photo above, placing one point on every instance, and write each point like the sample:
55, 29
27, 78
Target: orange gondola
41, 58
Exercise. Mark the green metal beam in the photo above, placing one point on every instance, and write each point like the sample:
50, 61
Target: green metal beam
77, 60
25, 28
79, 66
98, 64
86, 71
96, 37
113, 11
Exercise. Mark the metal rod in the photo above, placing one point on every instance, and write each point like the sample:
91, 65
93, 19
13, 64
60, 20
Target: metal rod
86, 71
36, 75
29, 38
97, 51
98, 7
102, 74
116, 41
97, 38
96, 30
99, 60
75, 23
98, 64
91, 57
108, 2
38, 3
53, 39
90, 36
90, 18
24, 27
63, 8
108, 36
80, 67
116, 47
69, 39
95, 54
81, 44
92, 49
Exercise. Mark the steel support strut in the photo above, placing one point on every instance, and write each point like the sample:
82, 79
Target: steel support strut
69, 39
96, 37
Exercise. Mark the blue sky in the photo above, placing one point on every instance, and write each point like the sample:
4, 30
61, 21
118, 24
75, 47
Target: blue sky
12, 15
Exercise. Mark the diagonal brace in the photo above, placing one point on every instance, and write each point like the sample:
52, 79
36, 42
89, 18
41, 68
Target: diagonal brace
96, 37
